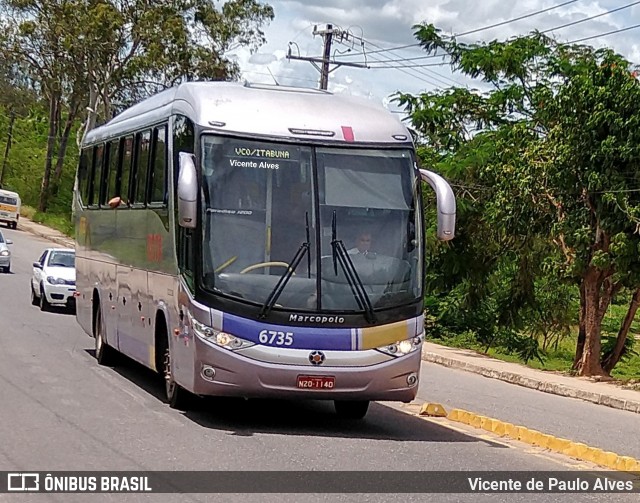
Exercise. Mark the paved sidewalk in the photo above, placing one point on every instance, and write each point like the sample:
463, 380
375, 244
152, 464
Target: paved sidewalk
46, 232
603, 393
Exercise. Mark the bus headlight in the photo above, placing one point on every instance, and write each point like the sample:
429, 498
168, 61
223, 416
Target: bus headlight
401, 348
218, 337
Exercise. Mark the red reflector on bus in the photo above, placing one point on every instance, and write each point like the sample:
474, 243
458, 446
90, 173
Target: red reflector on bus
347, 132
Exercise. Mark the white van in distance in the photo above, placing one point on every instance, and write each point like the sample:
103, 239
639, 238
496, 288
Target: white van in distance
9, 208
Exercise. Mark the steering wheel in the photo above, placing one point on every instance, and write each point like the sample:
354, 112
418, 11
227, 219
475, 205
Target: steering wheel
264, 264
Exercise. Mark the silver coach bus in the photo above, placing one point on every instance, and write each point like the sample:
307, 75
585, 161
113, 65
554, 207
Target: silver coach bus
257, 241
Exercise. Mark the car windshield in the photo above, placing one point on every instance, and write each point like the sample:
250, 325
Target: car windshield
262, 200
1, 238
61, 259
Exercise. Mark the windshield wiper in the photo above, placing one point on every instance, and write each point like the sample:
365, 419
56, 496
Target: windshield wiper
341, 256
284, 279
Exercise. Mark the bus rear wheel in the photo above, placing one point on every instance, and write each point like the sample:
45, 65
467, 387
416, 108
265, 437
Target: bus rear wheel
177, 397
351, 409
105, 354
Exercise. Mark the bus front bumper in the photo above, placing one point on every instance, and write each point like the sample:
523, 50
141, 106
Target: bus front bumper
362, 375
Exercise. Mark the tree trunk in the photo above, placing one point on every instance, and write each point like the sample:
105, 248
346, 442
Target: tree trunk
611, 359
51, 143
595, 302
7, 148
62, 148
581, 330
91, 112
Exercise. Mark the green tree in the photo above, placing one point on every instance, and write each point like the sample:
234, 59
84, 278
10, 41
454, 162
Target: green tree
88, 54
559, 126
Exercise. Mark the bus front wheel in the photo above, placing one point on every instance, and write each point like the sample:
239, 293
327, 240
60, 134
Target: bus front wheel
177, 396
351, 409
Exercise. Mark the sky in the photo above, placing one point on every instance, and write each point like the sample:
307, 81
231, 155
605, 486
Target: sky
386, 24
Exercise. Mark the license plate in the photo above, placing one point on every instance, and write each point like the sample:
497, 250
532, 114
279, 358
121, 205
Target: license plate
316, 382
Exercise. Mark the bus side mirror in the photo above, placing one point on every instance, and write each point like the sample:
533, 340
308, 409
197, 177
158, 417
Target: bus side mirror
187, 192
446, 201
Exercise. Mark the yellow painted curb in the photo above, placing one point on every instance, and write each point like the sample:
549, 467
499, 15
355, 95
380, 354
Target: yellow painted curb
433, 409
564, 446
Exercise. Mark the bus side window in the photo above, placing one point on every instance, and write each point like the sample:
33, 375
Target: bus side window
158, 177
141, 168
111, 174
122, 186
97, 178
84, 174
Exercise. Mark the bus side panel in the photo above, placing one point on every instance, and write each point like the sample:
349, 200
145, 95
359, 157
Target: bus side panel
83, 301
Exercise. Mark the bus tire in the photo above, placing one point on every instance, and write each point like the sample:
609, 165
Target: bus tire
105, 354
351, 409
177, 397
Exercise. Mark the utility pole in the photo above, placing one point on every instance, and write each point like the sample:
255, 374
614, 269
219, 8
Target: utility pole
327, 34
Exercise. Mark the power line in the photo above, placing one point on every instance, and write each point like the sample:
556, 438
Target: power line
431, 74
423, 78
495, 25
515, 19
545, 31
605, 34
592, 17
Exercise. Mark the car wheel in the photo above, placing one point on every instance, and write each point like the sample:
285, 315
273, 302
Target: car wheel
44, 303
351, 409
105, 354
7, 269
34, 298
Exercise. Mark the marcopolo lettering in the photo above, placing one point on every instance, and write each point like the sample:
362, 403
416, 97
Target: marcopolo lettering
315, 319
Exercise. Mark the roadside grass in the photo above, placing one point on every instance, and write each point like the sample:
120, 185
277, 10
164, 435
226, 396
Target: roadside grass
56, 221
559, 358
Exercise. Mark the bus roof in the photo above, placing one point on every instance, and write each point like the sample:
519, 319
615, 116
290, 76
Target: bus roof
4, 192
263, 110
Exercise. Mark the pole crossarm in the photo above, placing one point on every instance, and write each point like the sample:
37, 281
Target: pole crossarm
320, 60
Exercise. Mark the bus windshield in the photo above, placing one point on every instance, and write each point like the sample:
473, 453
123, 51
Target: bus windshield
339, 227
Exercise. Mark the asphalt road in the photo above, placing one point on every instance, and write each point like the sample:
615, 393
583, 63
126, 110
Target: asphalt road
595, 425
59, 410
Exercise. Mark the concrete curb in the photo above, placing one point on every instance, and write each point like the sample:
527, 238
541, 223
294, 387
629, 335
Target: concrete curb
562, 446
63, 241
537, 384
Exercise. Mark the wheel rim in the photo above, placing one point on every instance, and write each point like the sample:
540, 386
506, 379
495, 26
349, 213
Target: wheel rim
99, 340
99, 343
169, 383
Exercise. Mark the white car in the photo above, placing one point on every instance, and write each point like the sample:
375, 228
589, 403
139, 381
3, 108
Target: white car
53, 282
5, 254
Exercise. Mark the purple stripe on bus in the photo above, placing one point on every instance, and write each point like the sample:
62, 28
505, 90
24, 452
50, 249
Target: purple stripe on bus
337, 339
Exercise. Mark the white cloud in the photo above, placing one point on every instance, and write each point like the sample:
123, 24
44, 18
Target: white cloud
388, 23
